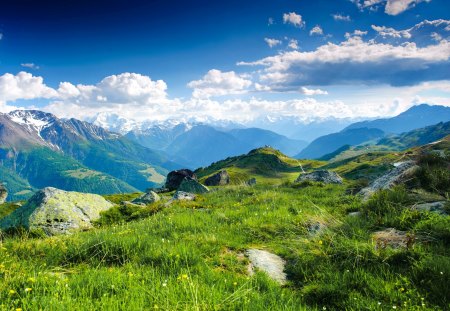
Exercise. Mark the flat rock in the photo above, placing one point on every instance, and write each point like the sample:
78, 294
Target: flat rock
147, 198
183, 196
175, 178
192, 186
3, 193
325, 176
400, 172
57, 211
436, 207
393, 238
219, 179
269, 263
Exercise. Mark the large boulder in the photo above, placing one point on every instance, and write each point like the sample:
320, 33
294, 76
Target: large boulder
325, 176
269, 263
57, 212
175, 178
192, 186
400, 173
147, 198
219, 179
3, 193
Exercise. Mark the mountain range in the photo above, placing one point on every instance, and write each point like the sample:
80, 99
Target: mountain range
38, 149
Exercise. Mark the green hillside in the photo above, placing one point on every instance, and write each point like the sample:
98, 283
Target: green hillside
41, 167
266, 164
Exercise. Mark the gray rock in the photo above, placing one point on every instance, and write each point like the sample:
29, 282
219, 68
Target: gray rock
193, 186
251, 182
354, 214
175, 178
147, 198
401, 172
219, 179
393, 238
436, 207
3, 193
270, 263
183, 196
57, 212
325, 176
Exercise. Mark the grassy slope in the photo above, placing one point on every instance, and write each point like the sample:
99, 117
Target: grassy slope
187, 256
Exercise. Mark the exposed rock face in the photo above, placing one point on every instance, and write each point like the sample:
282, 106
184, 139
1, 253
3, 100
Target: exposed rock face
192, 186
325, 176
270, 263
147, 198
393, 238
175, 178
3, 193
184, 196
401, 172
436, 207
57, 212
220, 179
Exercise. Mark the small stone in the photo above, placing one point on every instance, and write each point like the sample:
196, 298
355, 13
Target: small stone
251, 182
393, 238
147, 198
184, 196
3, 193
436, 207
269, 263
325, 176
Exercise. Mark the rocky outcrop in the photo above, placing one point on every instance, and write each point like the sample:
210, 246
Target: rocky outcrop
175, 178
269, 263
325, 176
435, 207
183, 196
3, 193
147, 198
219, 179
400, 173
192, 186
57, 212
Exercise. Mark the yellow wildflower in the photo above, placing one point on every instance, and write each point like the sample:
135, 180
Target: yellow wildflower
12, 291
28, 289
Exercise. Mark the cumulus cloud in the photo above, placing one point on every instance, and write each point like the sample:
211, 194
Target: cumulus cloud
272, 42
317, 30
30, 65
357, 33
391, 7
24, 86
433, 28
312, 92
218, 83
339, 17
356, 61
293, 19
293, 44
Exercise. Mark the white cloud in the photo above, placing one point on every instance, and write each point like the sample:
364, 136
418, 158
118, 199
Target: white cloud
355, 60
270, 21
272, 42
30, 65
293, 44
24, 86
339, 17
218, 83
293, 19
312, 92
436, 36
391, 32
317, 30
392, 7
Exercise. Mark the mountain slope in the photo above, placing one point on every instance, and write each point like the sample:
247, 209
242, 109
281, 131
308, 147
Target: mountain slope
417, 137
94, 147
330, 143
415, 117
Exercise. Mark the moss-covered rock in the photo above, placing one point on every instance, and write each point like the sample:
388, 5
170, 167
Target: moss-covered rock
56, 211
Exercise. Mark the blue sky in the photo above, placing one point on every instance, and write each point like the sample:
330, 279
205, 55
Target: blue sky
217, 59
